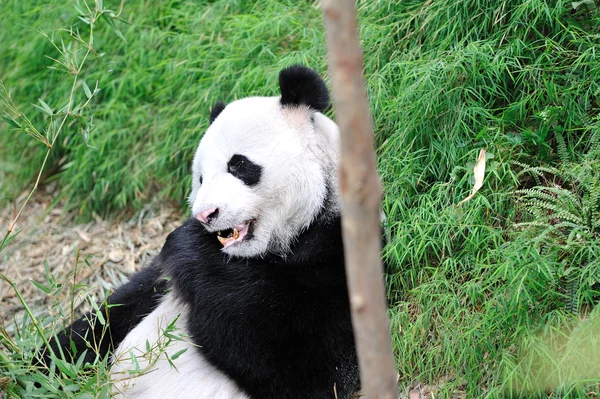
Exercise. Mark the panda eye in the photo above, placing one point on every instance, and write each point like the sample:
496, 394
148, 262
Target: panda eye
200, 180
236, 166
244, 169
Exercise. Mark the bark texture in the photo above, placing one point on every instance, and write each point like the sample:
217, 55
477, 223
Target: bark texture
361, 196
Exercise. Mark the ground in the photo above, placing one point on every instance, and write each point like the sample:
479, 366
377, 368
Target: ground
113, 249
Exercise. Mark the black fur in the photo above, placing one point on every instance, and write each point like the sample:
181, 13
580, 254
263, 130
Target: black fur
244, 169
279, 327
300, 85
216, 110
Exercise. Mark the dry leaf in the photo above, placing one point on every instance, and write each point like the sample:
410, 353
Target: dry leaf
83, 235
479, 171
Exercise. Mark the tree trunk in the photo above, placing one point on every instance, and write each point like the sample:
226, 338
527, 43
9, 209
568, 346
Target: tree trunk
361, 196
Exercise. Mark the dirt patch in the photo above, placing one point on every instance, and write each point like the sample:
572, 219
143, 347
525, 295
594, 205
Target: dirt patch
98, 255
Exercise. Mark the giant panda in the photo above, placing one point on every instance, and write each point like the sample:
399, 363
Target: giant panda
247, 298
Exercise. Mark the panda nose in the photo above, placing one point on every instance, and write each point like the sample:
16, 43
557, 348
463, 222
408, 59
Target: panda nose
208, 215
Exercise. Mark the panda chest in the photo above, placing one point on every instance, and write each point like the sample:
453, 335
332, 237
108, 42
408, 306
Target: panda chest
157, 360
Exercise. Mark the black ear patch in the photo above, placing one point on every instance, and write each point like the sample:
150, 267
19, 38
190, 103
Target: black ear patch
300, 85
216, 110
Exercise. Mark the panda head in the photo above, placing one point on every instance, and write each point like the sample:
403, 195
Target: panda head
266, 167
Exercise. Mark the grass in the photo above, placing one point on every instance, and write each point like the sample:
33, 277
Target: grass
495, 297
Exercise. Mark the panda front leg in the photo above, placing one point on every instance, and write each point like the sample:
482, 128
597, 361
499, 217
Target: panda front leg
124, 309
159, 360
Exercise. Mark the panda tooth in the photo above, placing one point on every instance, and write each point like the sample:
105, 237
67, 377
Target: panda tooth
222, 240
236, 234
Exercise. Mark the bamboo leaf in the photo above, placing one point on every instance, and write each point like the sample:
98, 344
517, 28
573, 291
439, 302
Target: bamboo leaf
41, 286
134, 360
45, 108
179, 353
86, 89
11, 122
118, 33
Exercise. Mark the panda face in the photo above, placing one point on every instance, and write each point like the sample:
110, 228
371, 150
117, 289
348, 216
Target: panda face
264, 170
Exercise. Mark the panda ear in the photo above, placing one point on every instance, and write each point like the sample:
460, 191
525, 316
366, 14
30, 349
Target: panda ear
300, 85
216, 110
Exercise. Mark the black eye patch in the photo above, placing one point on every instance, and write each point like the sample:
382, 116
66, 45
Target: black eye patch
244, 169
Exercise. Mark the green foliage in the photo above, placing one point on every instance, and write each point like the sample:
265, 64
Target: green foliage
72, 58
564, 351
156, 88
26, 377
474, 289
22, 342
519, 79
563, 223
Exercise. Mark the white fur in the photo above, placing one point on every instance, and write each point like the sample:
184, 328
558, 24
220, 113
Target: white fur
193, 377
299, 158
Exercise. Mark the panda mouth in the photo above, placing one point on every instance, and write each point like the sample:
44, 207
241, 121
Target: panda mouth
236, 234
